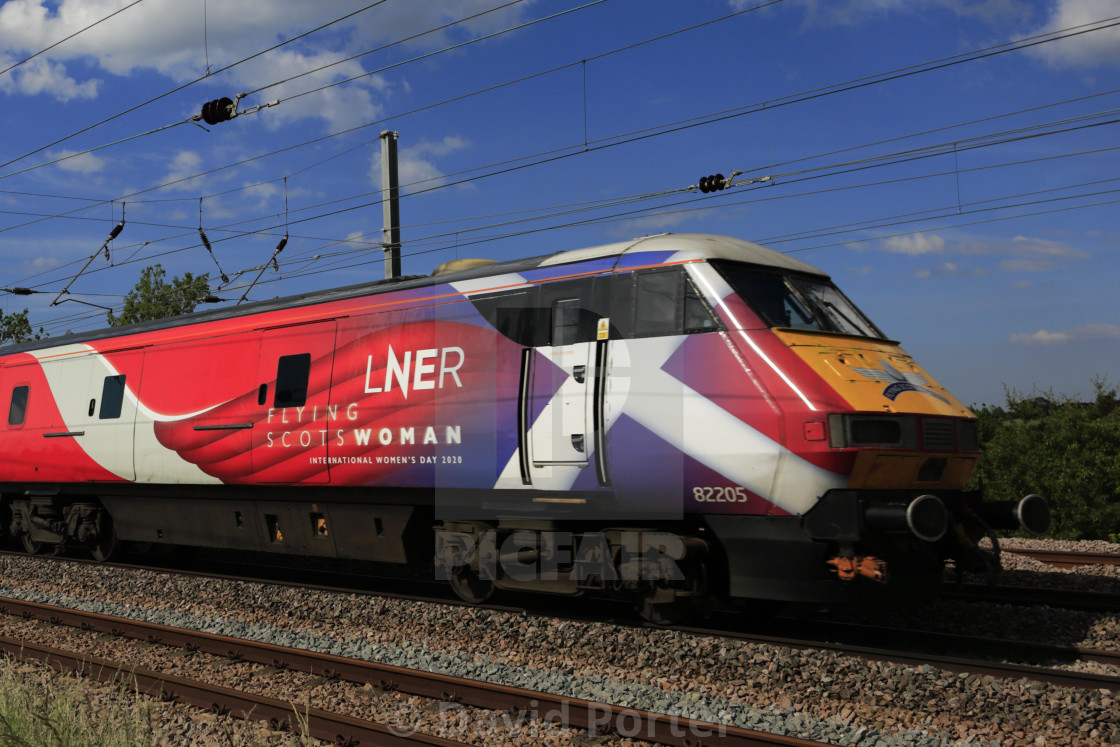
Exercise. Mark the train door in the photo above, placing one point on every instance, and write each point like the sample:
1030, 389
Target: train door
69, 373
560, 391
562, 384
294, 374
98, 418
110, 417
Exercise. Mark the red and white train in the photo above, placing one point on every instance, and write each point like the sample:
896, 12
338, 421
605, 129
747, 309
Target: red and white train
672, 418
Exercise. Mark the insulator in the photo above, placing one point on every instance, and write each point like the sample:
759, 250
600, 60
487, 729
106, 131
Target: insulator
218, 110
205, 241
711, 183
283, 243
116, 231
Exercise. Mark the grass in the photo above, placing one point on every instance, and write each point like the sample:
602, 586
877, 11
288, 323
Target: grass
41, 708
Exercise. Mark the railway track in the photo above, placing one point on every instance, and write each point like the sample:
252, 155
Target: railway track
957, 653
1072, 599
598, 719
1068, 558
324, 725
951, 652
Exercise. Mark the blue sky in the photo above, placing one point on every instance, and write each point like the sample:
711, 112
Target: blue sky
952, 164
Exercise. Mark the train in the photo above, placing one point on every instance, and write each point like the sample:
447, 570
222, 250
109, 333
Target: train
677, 421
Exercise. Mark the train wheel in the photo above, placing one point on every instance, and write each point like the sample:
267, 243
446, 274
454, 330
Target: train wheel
670, 603
105, 546
30, 546
469, 587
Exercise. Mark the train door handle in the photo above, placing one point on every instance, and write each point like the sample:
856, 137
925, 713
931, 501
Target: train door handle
579, 373
577, 442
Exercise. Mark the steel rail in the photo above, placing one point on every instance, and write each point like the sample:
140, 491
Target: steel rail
1090, 601
597, 718
1068, 558
957, 664
872, 641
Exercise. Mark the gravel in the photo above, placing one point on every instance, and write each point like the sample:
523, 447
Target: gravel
816, 694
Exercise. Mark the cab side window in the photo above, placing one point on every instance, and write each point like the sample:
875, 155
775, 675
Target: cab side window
112, 397
292, 374
17, 410
659, 302
655, 303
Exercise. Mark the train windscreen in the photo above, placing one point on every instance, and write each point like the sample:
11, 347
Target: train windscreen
797, 301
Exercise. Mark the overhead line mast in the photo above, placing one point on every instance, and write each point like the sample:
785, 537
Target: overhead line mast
390, 205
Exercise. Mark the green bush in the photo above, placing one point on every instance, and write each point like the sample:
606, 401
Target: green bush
1065, 450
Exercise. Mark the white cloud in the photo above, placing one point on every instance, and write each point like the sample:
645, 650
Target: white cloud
1024, 253
41, 76
1084, 333
1084, 50
39, 264
416, 165
914, 244
174, 39
185, 164
262, 193
86, 163
852, 12
946, 269
655, 223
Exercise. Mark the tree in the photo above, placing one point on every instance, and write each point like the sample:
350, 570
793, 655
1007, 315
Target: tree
152, 298
15, 328
1068, 451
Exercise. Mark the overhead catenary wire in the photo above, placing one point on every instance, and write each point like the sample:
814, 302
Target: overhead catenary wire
189, 83
104, 248
275, 252
209, 248
1016, 216
787, 177
619, 139
62, 41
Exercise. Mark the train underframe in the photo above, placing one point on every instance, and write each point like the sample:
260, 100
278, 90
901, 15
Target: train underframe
853, 545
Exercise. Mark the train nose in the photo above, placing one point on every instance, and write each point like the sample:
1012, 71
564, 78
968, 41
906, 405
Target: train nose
926, 517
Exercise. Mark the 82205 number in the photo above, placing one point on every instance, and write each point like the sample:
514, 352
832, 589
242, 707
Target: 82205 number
720, 494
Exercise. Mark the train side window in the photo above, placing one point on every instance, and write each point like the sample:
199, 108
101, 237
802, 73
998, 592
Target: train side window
570, 313
697, 316
658, 303
565, 321
656, 307
17, 410
112, 397
514, 315
292, 375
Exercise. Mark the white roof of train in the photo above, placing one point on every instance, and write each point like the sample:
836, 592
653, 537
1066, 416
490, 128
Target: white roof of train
690, 246
680, 247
